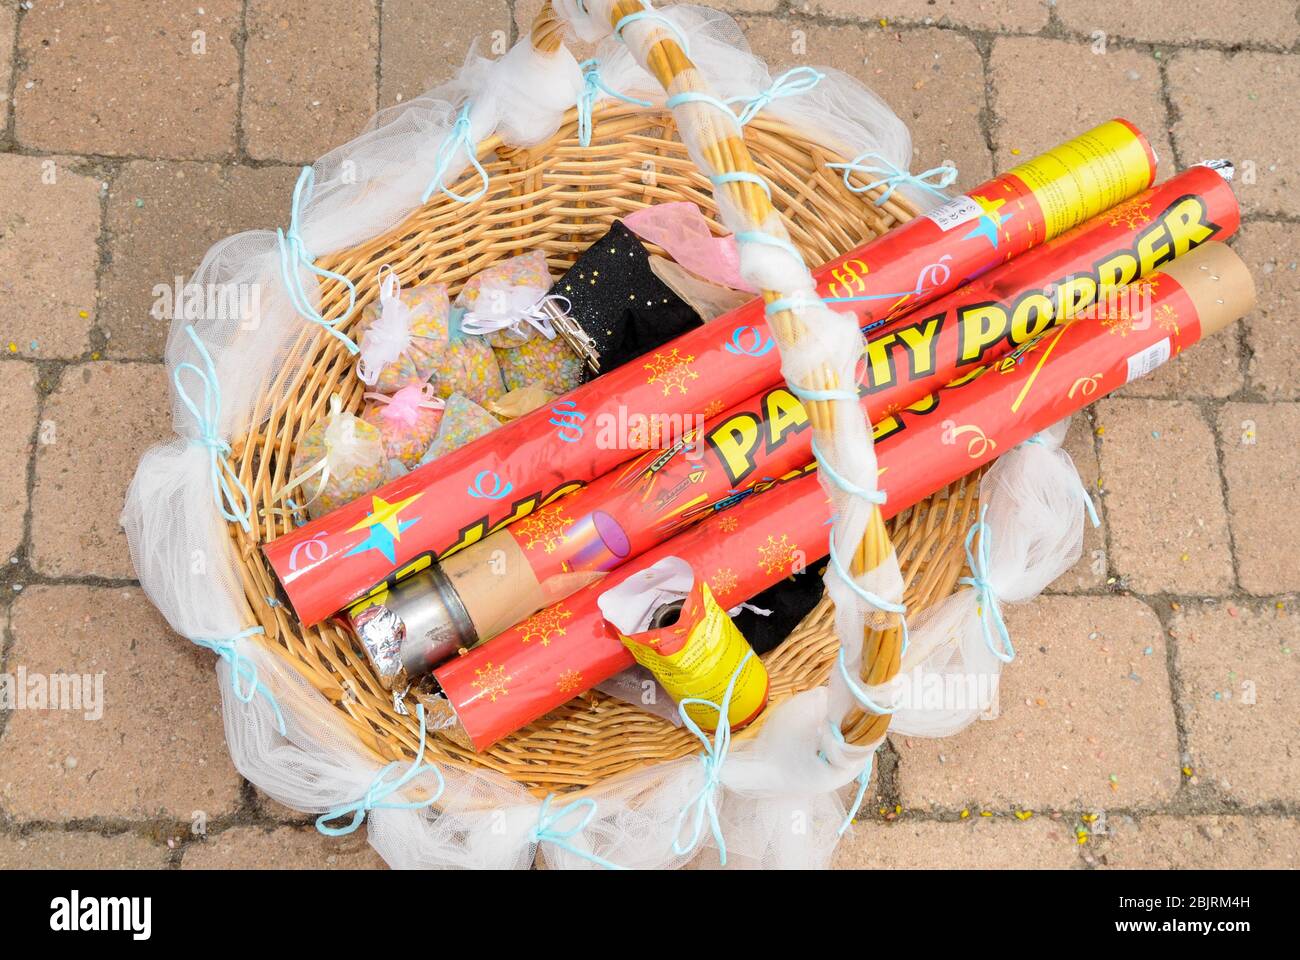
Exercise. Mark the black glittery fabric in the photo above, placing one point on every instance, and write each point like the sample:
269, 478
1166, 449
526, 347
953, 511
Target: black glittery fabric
619, 302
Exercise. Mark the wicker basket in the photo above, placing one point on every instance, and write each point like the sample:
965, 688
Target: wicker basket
559, 197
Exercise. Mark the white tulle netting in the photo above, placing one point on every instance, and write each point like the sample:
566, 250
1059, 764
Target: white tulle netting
775, 800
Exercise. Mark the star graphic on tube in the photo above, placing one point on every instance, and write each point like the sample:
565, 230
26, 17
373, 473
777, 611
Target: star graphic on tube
385, 526
990, 220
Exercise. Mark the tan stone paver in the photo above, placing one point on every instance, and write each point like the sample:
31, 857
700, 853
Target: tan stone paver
1234, 106
157, 749
309, 76
909, 72
1261, 465
162, 218
1240, 672
125, 78
98, 423
1272, 333
8, 24
59, 850
977, 843
18, 425
980, 14
1120, 82
280, 848
1269, 22
1086, 700
49, 228
417, 51
1164, 502
1200, 843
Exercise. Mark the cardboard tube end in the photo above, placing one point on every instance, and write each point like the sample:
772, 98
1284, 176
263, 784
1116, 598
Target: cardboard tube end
1218, 283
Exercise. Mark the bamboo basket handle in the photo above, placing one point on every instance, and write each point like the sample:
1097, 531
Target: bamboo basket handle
676, 73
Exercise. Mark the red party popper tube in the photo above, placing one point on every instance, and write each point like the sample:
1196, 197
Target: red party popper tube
529, 670
329, 563
700, 468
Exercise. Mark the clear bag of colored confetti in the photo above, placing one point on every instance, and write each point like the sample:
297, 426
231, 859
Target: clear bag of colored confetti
339, 458
407, 421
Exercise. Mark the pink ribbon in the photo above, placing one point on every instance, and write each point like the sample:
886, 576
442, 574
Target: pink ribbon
405, 405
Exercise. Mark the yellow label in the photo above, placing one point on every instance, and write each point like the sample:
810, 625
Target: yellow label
703, 667
1089, 174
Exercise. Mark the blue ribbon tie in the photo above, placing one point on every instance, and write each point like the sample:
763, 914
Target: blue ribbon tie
705, 803
890, 177
592, 86
381, 788
294, 254
227, 489
978, 561
227, 649
459, 137
548, 829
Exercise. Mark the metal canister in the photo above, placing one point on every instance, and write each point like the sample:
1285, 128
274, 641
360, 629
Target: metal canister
411, 628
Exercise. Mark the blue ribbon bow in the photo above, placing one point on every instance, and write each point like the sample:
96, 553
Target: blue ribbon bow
228, 650
891, 177
381, 788
547, 829
294, 253
704, 803
459, 137
790, 84
593, 85
228, 490
978, 561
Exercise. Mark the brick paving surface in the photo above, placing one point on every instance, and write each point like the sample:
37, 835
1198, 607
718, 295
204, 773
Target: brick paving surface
1150, 718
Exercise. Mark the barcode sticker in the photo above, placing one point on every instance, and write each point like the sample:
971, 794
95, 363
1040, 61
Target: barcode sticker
954, 213
1144, 361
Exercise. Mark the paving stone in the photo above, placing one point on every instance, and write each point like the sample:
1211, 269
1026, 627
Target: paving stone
309, 76
417, 51
18, 401
281, 848
162, 218
979, 843
99, 420
58, 850
1273, 329
1118, 83
1211, 368
1240, 672
49, 228
1200, 843
8, 25
1270, 22
1014, 15
1221, 103
910, 72
1083, 702
125, 78
158, 748
1260, 460
1164, 501
1092, 568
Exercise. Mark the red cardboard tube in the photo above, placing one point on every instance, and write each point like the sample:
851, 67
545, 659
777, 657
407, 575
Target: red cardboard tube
559, 548
536, 666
